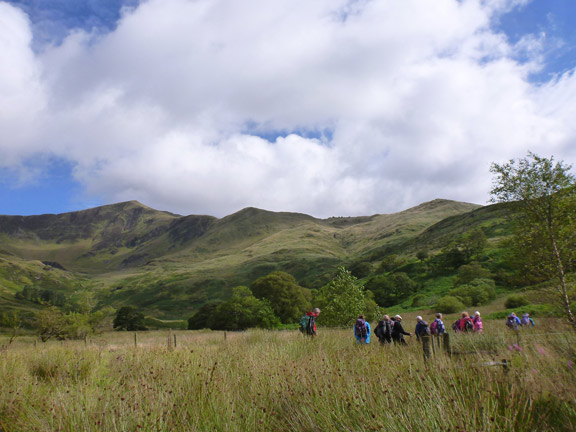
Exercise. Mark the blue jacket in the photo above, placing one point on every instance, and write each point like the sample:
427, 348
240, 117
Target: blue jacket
367, 336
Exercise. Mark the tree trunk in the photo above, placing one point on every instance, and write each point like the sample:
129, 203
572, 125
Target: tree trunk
562, 288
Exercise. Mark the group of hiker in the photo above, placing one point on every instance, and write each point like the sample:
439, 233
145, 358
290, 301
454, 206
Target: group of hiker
514, 323
390, 330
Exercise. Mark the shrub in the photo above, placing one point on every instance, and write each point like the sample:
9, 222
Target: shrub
477, 292
418, 300
449, 304
515, 301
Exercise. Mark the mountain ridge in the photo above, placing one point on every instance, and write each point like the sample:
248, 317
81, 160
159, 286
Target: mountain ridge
140, 255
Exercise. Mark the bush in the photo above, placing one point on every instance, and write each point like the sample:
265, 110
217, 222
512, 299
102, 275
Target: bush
418, 300
515, 301
477, 292
449, 304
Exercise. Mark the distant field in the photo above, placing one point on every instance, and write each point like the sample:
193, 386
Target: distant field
281, 381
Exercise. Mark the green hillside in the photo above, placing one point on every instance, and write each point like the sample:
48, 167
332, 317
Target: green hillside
170, 265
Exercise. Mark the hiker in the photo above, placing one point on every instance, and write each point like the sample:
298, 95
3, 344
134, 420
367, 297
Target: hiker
398, 331
308, 322
477, 321
465, 323
383, 330
437, 327
527, 321
513, 322
362, 330
422, 329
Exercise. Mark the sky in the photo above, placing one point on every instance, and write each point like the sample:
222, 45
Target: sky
324, 107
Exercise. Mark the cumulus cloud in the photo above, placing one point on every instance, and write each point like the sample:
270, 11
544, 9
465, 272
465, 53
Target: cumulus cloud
368, 107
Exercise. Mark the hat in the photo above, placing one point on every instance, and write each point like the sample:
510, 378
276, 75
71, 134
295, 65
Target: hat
398, 317
418, 318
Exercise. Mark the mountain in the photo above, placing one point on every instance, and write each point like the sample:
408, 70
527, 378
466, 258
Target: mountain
170, 264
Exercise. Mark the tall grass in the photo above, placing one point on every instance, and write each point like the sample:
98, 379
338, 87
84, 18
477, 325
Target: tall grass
281, 381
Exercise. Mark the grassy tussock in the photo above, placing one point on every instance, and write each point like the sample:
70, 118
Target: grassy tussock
280, 381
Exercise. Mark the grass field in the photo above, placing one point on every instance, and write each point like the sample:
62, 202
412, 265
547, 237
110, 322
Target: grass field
281, 381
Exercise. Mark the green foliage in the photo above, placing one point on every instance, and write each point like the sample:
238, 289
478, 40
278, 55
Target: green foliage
341, 300
392, 289
50, 323
284, 294
515, 301
391, 262
13, 321
449, 304
468, 272
422, 254
477, 292
418, 300
202, 319
129, 318
77, 325
361, 269
243, 311
460, 251
543, 195
371, 308
41, 296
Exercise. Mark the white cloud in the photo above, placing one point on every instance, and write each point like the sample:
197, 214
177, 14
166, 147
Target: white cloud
420, 97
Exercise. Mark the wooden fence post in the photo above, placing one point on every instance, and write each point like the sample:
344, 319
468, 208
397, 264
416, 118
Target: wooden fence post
135, 340
446, 343
174, 340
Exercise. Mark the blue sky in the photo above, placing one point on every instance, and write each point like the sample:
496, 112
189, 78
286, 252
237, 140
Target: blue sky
209, 106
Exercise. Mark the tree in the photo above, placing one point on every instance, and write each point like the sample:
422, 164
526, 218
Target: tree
361, 269
469, 272
243, 311
473, 243
341, 300
542, 196
202, 319
393, 289
13, 321
284, 294
128, 318
50, 323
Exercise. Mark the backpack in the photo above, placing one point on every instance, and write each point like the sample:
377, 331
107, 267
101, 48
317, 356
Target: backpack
512, 323
434, 327
468, 325
379, 330
303, 326
424, 330
456, 325
360, 328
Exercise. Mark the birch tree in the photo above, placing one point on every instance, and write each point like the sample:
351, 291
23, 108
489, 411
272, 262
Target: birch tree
542, 197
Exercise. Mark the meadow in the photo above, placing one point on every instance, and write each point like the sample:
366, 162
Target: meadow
282, 381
